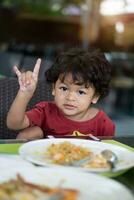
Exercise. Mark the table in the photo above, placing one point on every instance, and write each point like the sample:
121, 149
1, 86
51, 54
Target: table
125, 177
128, 139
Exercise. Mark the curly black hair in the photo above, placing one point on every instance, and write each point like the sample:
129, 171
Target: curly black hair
89, 67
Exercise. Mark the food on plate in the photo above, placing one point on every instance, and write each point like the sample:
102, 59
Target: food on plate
97, 161
66, 153
19, 189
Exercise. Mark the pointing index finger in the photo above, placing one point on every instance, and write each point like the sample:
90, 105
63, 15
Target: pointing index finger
37, 68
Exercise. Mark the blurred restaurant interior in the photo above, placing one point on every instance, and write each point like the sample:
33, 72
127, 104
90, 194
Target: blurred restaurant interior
39, 28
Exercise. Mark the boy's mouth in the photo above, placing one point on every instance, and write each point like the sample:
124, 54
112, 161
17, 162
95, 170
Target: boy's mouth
69, 106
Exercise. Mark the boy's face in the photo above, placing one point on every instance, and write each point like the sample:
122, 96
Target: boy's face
73, 100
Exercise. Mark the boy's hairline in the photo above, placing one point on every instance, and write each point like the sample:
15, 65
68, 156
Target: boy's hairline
78, 79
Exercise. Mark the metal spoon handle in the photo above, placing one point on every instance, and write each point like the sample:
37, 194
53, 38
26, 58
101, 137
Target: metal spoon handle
82, 161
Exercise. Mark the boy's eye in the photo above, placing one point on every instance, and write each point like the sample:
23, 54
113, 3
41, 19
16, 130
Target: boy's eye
63, 88
81, 92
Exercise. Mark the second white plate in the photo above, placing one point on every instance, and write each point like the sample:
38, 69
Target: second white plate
89, 186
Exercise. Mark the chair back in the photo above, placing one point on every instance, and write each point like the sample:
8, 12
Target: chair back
8, 90
7, 61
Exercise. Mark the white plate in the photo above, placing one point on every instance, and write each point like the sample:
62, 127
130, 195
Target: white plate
12, 161
34, 152
90, 186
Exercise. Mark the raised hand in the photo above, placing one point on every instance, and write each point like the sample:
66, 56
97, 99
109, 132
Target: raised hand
28, 80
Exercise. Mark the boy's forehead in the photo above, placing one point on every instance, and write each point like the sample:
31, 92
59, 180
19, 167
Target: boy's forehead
69, 79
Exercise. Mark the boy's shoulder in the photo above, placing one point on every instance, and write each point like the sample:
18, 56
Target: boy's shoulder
105, 124
104, 119
102, 115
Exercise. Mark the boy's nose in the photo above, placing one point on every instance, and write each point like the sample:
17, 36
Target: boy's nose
70, 96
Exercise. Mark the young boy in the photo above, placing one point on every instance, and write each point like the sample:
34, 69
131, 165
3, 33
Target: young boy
79, 78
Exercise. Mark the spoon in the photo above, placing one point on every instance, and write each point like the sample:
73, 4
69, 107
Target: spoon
82, 161
110, 157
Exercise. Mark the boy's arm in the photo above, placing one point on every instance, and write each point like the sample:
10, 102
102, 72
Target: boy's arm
16, 118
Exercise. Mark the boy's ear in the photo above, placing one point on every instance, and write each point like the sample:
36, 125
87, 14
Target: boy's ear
53, 90
95, 99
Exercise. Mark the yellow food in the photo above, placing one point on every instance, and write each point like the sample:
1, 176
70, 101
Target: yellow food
98, 161
66, 153
19, 189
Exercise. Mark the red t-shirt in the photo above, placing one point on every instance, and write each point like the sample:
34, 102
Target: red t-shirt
48, 117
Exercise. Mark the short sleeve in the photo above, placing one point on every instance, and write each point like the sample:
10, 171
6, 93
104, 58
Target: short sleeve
36, 115
109, 129
108, 126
